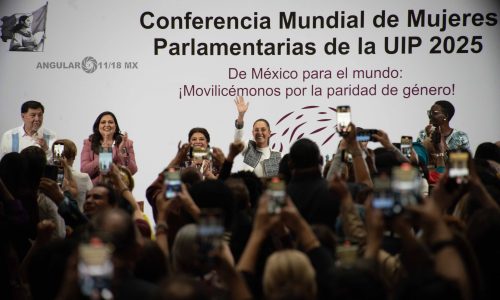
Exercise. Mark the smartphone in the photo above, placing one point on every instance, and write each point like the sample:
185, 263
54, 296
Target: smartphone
60, 176
199, 153
346, 156
105, 160
210, 230
343, 119
366, 135
406, 183
172, 183
406, 145
383, 197
277, 192
51, 172
95, 269
57, 153
458, 168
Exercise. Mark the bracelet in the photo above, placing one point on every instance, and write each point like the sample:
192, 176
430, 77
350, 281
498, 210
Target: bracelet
440, 245
161, 227
438, 154
238, 126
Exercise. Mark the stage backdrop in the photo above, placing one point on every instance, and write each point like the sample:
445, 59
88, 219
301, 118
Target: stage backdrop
165, 66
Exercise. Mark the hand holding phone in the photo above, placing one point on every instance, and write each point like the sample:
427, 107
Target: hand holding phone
277, 193
105, 159
343, 119
172, 183
406, 145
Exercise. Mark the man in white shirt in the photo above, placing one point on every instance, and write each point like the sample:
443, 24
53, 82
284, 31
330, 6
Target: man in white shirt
30, 133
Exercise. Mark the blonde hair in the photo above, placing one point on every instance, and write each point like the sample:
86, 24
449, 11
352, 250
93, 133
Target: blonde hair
289, 275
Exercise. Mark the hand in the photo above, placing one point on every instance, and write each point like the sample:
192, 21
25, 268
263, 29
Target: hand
350, 138
122, 149
264, 221
43, 144
429, 129
45, 229
241, 106
339, 187
382, 137
235, 148
218, 156
51, 189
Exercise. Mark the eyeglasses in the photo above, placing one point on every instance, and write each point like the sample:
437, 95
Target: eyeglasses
431, 113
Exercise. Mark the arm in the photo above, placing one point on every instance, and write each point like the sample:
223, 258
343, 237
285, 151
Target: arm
69, 183
235, 148
383, 139
125, 192
361, 172
126, 154
89, 162
263, 223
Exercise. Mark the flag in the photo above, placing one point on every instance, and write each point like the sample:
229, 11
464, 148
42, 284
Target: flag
8, 24
37, 25
39, 19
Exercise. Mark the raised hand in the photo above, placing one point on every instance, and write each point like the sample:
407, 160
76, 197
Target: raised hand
241, 105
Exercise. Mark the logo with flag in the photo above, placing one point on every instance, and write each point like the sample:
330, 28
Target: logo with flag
25, 31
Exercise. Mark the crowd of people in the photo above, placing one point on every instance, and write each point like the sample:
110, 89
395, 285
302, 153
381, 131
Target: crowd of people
412, 221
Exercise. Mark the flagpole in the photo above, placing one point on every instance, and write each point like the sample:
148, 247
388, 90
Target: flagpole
45, 21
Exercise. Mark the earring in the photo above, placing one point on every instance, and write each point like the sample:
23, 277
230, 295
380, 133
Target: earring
444, 119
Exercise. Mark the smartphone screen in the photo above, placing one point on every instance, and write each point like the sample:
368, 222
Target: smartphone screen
458, 166
343, 119
57, 153
383, 197
365, 135
105, 160
406, 185
95, 269
277, 193
406, 145
50, 172
172, 183
210, 230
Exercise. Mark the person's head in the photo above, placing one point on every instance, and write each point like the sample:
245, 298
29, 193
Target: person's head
32, 115
118, 227
289, 274
305, 154
127, 177
25, 21
99, 198
261, 133
106, 124
179, 287
35, 164
69, 149
441, 112
199, 137
12, 172
488, 151
186, 258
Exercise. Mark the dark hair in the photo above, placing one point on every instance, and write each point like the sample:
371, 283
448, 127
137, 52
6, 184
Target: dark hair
304, 153
31, 104
199, 130
488, 151
262, 120
113, 197
20, 23
448, 108
96, 136
35, 164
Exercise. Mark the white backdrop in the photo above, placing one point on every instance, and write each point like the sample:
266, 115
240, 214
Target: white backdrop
146, 100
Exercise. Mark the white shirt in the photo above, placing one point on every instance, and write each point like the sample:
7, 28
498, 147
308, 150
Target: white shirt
266, 153
48, 210
84, 184
25, 140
